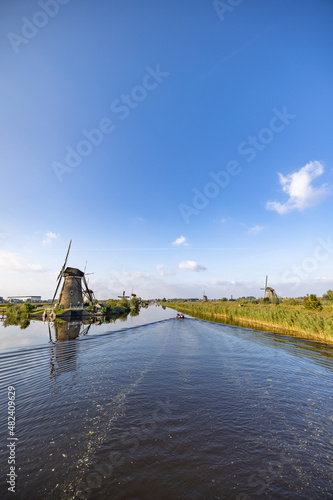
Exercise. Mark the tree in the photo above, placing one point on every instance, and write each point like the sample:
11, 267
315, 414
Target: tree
135, 303
27, 307
312, 302
124, 303
328, 295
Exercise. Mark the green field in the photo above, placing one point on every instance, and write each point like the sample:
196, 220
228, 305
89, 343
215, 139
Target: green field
289, 316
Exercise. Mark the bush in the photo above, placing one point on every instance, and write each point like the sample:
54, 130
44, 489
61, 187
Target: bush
111, 303
27, 307
328, 295
312, 302
124, 303
224, 299
135, 303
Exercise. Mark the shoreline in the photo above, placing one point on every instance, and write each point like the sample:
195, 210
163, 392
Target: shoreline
235, 315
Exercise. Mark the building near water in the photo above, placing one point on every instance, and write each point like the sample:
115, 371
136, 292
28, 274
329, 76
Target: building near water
24, 298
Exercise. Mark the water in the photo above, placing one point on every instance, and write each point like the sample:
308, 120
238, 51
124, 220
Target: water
169, 409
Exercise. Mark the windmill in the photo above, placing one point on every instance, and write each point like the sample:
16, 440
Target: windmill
123, 296
269, 292
72, 291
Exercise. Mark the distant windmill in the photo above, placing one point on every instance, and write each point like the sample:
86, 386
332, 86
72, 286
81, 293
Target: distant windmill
72, 291
123, 296
269, 292
204, 297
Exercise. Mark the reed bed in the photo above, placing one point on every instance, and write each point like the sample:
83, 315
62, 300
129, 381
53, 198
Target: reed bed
291, 319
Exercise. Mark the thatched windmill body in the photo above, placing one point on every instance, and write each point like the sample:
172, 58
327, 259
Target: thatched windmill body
74, 287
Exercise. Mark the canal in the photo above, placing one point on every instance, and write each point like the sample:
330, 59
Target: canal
160, 408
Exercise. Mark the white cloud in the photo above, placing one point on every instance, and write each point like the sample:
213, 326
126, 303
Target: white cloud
191, 265
13, 262
180, 241
164, 271
49, 237
255, 229
301, 193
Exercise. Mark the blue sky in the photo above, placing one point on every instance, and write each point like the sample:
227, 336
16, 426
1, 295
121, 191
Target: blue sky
184, 146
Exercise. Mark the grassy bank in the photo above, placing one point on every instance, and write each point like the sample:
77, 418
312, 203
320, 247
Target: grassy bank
287, 318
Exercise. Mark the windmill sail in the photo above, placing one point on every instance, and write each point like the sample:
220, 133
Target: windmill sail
64, 266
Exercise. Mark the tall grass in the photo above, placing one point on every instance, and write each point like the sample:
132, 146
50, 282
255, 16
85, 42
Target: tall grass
287, 318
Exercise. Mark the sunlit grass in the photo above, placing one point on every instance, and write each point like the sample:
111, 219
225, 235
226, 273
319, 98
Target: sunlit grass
288, 318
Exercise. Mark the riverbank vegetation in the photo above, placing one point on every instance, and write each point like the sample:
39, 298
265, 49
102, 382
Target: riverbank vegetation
310, 317
20, 314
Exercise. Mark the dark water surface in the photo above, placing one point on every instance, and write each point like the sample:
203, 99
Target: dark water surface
173, 409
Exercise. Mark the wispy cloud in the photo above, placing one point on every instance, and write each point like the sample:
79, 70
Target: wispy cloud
225, 283
255, 229
164, 271
133, 275
299, 189
49, 237
180, 241
13, 262
191, 265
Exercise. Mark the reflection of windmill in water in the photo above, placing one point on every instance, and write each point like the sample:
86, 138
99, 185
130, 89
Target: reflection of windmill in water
269, 292
64, 353
75, 291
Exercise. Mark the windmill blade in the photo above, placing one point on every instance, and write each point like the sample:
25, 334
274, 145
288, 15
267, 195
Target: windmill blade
64, 266
55, 293
87, 289
50, 333
67, 254
266, 282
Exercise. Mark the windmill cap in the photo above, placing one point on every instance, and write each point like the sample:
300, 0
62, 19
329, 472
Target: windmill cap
72, 271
